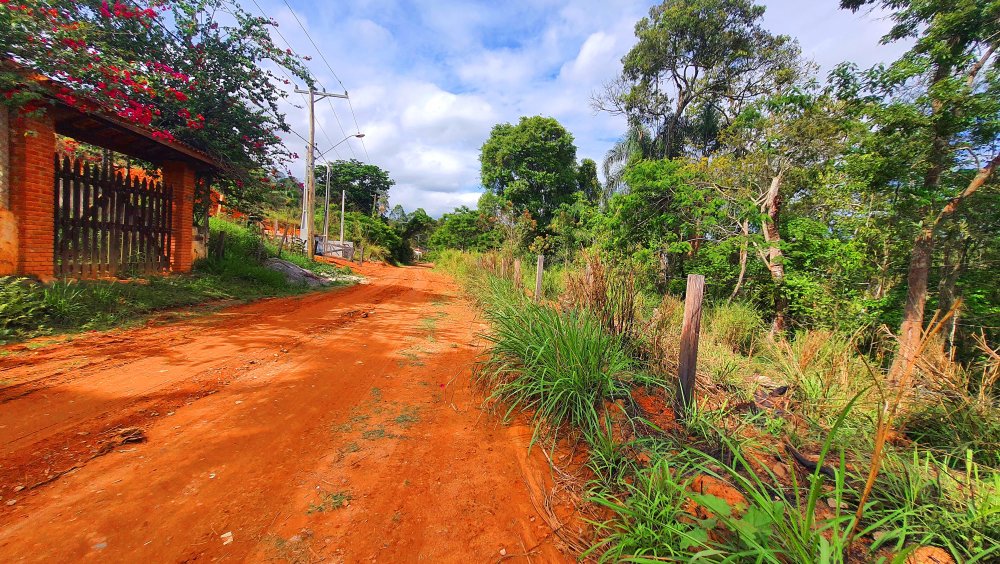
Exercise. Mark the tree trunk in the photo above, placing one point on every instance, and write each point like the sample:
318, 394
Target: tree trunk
951, 270
775, 259
911, 330
745, 228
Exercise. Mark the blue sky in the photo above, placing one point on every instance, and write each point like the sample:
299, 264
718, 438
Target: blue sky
429, 78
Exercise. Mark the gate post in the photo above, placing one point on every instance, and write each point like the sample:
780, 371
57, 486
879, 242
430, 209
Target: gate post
32, 194
180, 176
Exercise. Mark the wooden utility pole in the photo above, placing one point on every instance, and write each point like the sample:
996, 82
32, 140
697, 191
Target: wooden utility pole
688, 365
309, 197
539, 269
326, 210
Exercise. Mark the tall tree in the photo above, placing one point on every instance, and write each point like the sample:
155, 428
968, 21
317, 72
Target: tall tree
588, 182
367, 185
776, 145
532, 165
695, 65
937, 116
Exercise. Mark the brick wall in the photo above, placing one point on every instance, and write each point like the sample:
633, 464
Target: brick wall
32, 177
180, 176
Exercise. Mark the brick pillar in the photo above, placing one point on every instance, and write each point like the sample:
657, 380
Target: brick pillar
32, 193
180, 176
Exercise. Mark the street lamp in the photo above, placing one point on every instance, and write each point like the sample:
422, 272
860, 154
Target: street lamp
306, 222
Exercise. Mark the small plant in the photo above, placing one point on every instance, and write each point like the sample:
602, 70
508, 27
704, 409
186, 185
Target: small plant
330, 501
407, 418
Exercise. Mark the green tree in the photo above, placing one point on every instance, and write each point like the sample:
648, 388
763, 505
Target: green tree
936, 118
367, 185
532, 165
695, 65
464, 229
588, 182
778, 143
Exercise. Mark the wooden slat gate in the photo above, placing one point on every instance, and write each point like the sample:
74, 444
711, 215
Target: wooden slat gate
108, 224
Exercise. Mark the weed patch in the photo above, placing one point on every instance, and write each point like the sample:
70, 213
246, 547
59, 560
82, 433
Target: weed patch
330, 501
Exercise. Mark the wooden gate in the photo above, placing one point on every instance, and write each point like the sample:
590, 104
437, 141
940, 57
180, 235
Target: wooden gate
108, 224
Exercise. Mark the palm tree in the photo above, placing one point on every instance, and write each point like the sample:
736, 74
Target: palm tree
638, 143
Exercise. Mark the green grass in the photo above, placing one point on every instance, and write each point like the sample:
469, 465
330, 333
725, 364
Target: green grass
29, 309
560, 367
408, 417
566, 371
330, 501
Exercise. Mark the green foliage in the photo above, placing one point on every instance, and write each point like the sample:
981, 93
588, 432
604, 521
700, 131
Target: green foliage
560, 367
365, 184
588, 183
168, 66
376, 238
532, 165
955, 427
29, 309
464, 229
928, 503
694, 62
738, 326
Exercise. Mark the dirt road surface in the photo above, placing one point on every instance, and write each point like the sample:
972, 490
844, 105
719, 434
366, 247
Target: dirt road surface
341, 426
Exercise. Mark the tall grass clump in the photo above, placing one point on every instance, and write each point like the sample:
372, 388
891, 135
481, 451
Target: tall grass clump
929, 503
460, 265
561, 367
736, 325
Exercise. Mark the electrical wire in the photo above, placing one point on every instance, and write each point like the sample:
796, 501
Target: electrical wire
337, 78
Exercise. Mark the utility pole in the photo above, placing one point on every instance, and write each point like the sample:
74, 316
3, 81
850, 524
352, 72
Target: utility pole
326, 210
309, 197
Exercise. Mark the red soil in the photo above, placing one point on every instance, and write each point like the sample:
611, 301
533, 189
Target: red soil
255, 418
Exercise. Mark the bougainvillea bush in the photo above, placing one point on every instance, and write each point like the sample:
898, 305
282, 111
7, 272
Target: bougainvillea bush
199, 71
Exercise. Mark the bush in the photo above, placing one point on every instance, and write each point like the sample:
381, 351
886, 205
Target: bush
22, 305
736, 325
559, 366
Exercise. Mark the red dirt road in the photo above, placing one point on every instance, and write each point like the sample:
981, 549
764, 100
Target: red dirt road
260, 420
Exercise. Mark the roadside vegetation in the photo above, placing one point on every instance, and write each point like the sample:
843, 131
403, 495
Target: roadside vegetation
29, 309
772, 465
846, 406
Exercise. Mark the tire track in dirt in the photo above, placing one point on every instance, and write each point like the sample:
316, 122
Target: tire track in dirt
69, 445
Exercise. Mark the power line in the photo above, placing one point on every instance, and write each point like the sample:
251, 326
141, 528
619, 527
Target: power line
358, 127
336, 77
318, 50
304, 99
288, 45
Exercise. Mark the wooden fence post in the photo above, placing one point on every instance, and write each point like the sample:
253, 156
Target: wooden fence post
688, 365
517, 274
538, 277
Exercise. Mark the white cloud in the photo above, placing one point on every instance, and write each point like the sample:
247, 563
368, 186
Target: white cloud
429, 78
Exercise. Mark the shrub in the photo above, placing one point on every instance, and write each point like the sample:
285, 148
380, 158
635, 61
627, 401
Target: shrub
736, 325
560, 366
21, 306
